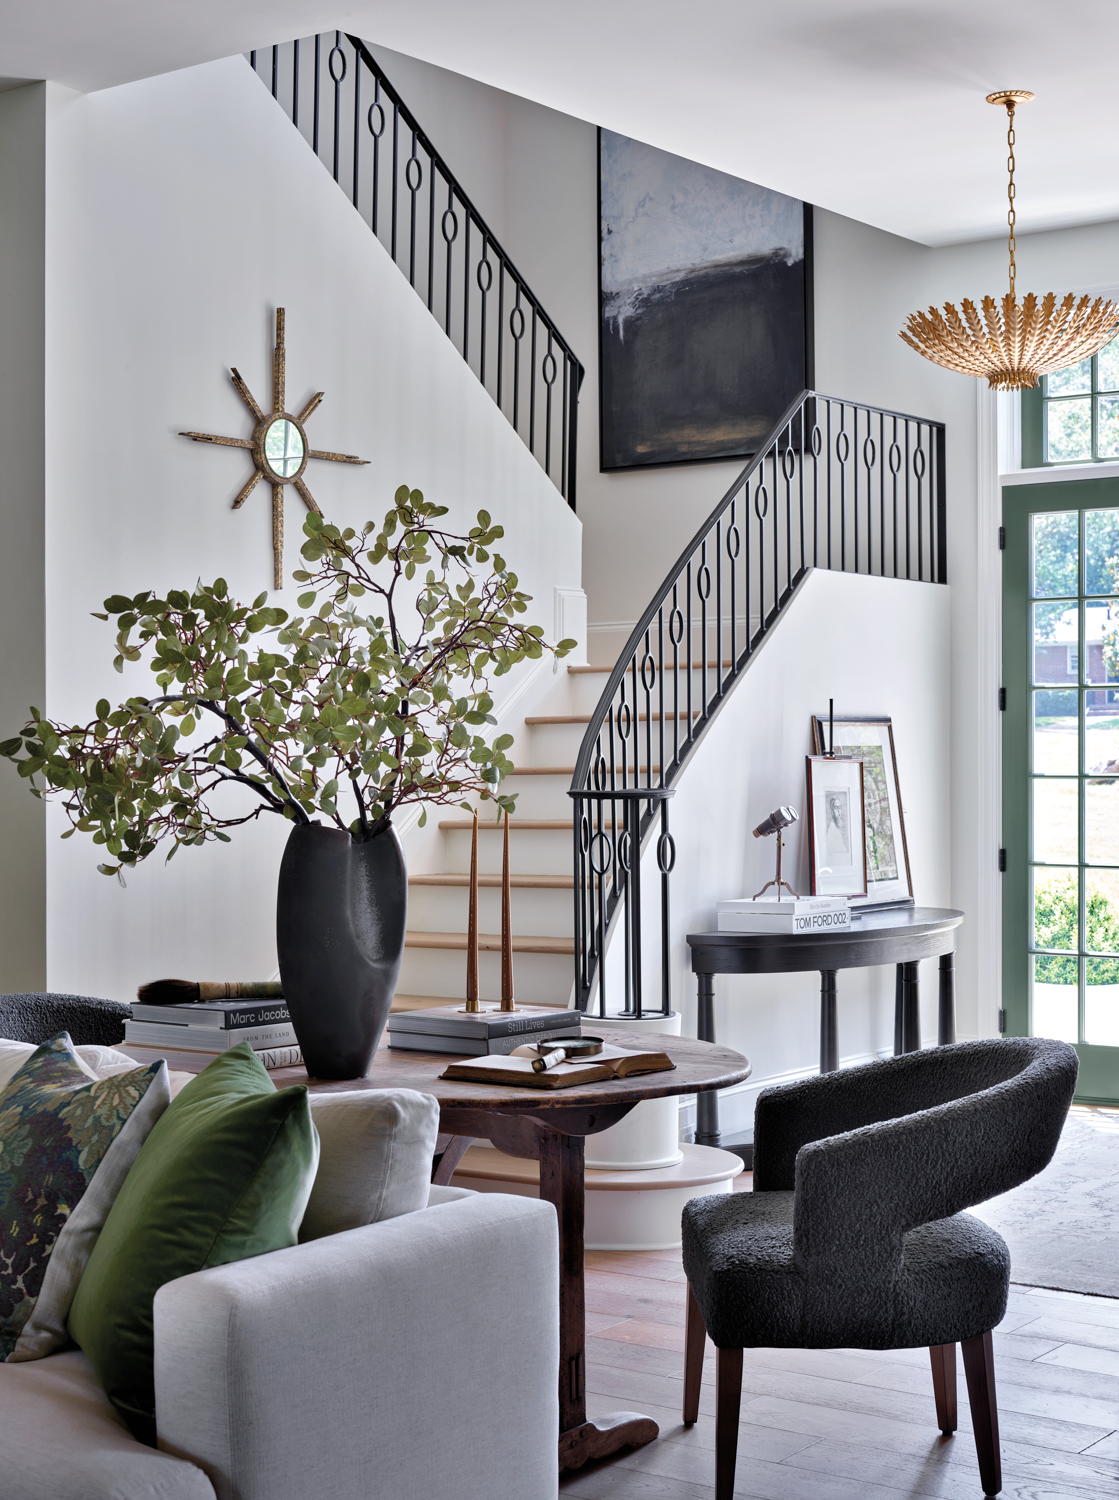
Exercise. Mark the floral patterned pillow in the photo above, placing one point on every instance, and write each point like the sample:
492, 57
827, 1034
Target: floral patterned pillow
66, 1144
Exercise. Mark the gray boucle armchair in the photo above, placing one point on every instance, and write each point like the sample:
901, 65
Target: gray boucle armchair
854, 1235
90, 1022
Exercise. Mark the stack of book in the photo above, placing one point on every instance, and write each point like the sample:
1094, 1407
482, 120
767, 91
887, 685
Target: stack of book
189, 1035
803, 915
451, 1028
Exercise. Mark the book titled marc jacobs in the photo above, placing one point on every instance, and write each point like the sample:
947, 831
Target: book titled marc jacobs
803, 917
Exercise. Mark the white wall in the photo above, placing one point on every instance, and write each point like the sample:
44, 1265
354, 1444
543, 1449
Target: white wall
752, 760
180, 211
22, 223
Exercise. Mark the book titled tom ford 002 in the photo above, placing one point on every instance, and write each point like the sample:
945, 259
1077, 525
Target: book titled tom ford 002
800, 915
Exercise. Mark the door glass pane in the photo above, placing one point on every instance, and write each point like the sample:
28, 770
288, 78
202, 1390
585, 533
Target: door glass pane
1101, 897
1101, 821
1101, 1001
1068, 435
1055, 552
1056, 750
1101, 552
1107, 427
1101, 739
1056, 644
1056, 821
1056, 910
1070, 382
1055, 1002
1107, 367
1101, 649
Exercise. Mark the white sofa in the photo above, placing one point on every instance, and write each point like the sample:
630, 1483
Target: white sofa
412, 1359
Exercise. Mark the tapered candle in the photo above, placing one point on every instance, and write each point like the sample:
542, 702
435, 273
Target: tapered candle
507, 1002
472, 929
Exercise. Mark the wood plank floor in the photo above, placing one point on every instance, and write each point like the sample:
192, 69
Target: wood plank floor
849, 1424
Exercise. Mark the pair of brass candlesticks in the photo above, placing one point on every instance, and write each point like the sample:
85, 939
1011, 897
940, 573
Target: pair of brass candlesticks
473, 1005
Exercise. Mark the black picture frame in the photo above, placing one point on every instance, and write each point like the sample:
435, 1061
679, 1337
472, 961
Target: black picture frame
701, 342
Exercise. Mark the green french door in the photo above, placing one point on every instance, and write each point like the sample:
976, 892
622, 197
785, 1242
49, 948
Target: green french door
1061, 771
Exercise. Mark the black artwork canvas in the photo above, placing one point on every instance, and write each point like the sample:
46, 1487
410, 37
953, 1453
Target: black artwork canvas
705, 307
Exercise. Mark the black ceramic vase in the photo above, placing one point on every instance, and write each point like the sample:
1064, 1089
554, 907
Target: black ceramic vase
341, 911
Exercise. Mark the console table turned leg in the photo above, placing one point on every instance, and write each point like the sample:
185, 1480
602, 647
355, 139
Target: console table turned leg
707, 1104
910, 1007
899, 1030
829, 1025
946, 1015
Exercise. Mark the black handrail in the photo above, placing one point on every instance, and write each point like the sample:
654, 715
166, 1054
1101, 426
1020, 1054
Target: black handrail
836, 484
413, 203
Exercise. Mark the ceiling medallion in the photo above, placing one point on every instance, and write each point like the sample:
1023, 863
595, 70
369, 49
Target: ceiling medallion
278, 447
1029, 339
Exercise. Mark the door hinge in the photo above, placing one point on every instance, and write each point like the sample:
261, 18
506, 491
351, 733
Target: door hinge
1002, 699
1002, 861
1002, 1022
1002, 538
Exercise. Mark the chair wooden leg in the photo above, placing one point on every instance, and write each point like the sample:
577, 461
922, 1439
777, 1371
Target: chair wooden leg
695, 1342
728, 1398
944, 1386
979, 1367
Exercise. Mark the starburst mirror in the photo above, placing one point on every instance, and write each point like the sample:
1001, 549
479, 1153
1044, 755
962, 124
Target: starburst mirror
278, 447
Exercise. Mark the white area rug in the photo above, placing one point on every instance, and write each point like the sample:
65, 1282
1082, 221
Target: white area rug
1063, 1225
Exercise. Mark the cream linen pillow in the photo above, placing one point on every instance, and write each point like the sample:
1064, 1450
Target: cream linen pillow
376, 1147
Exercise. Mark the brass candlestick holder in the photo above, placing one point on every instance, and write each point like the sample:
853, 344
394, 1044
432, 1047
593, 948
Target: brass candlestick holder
507, 1001
472, 1005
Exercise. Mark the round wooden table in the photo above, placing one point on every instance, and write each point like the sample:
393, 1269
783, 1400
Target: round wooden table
551, 1126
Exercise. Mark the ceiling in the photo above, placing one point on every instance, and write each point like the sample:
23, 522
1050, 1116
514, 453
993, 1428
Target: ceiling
871, 108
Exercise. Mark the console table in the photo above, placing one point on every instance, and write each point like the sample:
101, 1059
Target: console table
902, 936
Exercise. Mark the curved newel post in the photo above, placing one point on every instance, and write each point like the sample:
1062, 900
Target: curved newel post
608, 872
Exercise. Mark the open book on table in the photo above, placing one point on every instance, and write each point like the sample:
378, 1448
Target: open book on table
611, 1062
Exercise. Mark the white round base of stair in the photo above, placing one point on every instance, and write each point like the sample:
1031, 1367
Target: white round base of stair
624, 1210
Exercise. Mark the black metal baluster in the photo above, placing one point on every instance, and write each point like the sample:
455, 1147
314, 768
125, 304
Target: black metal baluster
377, 111
450, 234
393, 212
315, 124
666, 859
332, 67
919, 470
468, 216
295, 83
548, 370
573, 429
413, 180
517, 329
908, 502
532, 389
734, 547
431, 233
500, 329
275, 72
941, 575
563, 431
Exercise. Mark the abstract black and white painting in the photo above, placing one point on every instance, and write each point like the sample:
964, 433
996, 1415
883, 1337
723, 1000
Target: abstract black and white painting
705, 307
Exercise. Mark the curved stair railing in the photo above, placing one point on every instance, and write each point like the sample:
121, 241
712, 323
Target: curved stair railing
337, 95
836, 484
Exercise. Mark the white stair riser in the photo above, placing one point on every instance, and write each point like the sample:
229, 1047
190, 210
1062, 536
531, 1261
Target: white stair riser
589, 686
446, 909
538, 796
539, 978
556, 744
532, 851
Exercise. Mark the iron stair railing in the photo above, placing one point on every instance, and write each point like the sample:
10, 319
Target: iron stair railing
836, 485
338, 97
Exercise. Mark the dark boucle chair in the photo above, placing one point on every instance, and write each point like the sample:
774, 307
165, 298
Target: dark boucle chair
853, 1235
34, 1018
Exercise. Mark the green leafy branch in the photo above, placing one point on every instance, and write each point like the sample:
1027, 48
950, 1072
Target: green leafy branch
392, 704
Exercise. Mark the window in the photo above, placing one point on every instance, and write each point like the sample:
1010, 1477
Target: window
1074, 416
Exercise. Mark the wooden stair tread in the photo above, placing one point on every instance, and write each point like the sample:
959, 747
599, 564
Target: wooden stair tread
489, 942
696, 665
702, 1166
586, 718
417, 1002
486, 825
524, 882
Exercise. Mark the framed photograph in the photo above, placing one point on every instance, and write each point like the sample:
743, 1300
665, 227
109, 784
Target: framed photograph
705, 311
836, 826
871, 740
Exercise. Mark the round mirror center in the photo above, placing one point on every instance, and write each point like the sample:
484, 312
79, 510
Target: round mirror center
283, 448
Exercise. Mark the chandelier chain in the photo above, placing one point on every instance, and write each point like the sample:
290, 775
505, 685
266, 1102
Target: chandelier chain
1011, 217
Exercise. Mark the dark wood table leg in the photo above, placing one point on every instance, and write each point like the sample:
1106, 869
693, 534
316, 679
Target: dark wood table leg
946, 1012
910, 1008
449, 1151
829, 1024
707, 1105
561, 1184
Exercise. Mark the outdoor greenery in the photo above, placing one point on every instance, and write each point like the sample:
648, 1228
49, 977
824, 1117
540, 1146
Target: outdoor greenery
1056, 925
389, 707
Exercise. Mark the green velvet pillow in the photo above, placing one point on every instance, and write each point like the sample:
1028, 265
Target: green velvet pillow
225, 1174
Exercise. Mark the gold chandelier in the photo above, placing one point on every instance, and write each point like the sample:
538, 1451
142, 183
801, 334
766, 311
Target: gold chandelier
1029, 339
